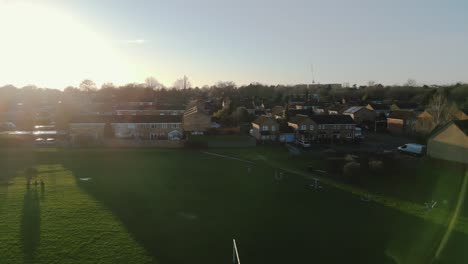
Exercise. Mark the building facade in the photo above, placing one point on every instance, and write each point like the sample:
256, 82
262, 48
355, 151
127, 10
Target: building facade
450, 142
196, 121
95, 128
265, 128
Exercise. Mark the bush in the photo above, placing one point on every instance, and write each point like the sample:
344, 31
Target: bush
350, 157
376, 165
196, 144
351, 170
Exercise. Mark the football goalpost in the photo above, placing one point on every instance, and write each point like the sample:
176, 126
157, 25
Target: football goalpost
235, 253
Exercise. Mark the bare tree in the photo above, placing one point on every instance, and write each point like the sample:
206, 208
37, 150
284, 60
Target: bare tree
441, 110
411, 83
107, 85
182, 83
88, 86
153, 83
225, 84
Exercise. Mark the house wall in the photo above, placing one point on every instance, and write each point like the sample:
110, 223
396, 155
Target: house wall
199, 122
452, 135
395, 125
450, 144
424, 125
394, 107
364, 115
145, 130
298, 125
272, 127
93, 131
340, 131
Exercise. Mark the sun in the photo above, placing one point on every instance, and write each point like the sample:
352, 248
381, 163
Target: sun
45, 45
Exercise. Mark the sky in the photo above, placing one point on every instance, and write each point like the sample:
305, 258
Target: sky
57, 43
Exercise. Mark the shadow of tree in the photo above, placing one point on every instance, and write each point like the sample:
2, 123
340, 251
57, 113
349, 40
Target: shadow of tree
30, 224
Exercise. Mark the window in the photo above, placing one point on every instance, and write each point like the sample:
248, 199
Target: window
311, 127
303, 127
273, 128
264, 128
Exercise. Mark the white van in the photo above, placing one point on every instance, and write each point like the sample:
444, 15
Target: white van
413, 149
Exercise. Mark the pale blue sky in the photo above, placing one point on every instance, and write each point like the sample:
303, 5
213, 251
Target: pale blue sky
271, 41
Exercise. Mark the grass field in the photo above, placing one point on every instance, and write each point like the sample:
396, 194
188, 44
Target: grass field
181, 206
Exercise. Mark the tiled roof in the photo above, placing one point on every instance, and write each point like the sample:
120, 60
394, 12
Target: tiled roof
126, 119
462, 125
402, 105
262, 119
401, 114
332, 119
353, 109
298, 119
380, 106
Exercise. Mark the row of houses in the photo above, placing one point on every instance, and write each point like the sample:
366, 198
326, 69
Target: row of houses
306, 129
194, 121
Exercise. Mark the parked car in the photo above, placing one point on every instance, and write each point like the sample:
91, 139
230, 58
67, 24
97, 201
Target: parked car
303, 143
413, 149
50, 140
358, 134
39, 141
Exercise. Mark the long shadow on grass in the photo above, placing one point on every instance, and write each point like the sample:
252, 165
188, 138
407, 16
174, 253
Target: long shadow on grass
282, 228
30, 224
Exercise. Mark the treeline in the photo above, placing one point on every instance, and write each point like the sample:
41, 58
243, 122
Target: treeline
31, 96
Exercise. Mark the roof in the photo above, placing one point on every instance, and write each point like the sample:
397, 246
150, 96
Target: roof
277, 110
401, 114
353, 109
193, 110
380, 106
332, 119
462, 125
298, 119
127, 119
293, 112
262, 119
407, 105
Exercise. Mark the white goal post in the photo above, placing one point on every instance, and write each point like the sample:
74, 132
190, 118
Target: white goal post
235, 253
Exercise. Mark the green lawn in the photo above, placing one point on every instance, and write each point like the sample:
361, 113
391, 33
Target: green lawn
224, 141
184, 206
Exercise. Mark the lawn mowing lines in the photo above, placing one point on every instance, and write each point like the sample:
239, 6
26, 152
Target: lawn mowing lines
437, 215
227, 157
453, 220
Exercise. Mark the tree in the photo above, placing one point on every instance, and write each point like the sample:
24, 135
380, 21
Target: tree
440, 109
411, 83
153, 83
107, 85
182, 83
241, 115
225, 84
88, 86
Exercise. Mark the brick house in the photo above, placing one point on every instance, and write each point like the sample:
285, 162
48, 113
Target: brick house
196, 121
332, 127
450, 142
265, 128
360, 114
379, 109
398, 106
400, 122
143, 127
303, 128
